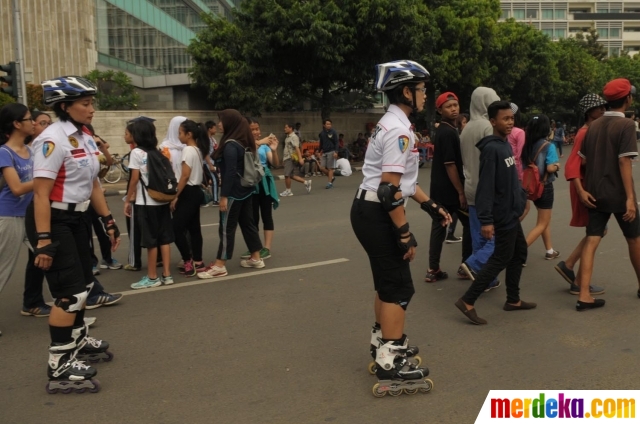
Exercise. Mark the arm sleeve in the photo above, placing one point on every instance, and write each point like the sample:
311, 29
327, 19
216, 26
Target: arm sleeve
190, 157
395, 151
47, 159
552, 155
583, 148
628, 143
134, 159
230, 155
573, 165
5, 158
485, 191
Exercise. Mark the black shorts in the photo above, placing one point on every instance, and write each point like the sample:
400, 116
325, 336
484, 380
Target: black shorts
374, 229
156, 227
70, 270
598, 224
546, 200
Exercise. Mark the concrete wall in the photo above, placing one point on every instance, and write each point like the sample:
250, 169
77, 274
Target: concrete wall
111, 125
59, 37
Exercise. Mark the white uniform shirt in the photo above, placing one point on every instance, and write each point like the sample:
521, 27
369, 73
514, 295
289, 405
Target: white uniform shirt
138, 160
191, 156
68, 156
392, 149
344, 166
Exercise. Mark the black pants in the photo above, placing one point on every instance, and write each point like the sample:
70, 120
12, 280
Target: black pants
103, 238
510, 252
186, 218
439, 234
238, 212
33, 280
263, 205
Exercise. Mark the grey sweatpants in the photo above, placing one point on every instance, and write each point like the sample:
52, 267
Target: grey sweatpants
11, 237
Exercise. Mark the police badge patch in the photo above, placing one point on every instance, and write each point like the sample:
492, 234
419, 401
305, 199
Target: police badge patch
403, 143
73, 142
47, 148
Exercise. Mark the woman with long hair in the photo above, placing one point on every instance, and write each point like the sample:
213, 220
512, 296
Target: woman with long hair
16, 192
235, 200
266, 200
543, 154
186, 205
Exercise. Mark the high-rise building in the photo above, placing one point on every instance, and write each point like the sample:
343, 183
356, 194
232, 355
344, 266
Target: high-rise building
147, 39
617, 22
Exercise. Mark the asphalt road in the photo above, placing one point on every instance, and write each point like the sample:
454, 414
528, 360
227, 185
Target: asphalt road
290, 343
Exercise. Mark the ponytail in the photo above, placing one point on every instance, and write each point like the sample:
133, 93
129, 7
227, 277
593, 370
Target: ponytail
199, 134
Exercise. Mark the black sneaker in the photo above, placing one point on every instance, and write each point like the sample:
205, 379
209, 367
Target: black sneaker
452, 239
566, 273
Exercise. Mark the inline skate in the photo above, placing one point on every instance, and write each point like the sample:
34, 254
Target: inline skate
395, 374
376, 335
67, 374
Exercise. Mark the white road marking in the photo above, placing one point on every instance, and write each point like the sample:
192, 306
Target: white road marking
203, 225
234, 277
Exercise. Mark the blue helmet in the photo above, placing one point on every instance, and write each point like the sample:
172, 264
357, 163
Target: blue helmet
392, 74
67, 89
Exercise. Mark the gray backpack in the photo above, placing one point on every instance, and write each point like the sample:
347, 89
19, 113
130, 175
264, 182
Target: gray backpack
253, 170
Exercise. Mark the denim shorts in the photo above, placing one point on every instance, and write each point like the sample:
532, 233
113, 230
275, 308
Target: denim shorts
546, 200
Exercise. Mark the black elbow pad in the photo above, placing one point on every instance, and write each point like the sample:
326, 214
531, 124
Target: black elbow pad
387, 196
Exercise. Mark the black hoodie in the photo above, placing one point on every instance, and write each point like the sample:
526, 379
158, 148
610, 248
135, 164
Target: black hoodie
500, 199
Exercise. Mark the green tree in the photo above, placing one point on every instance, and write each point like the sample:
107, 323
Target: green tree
115, 91
523, 65
590, 42
5, 99
276, 52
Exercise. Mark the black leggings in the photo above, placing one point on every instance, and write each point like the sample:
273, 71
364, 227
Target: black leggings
238, 212
186, 218
263, 205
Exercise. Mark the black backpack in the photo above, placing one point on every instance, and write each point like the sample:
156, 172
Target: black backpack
163, 185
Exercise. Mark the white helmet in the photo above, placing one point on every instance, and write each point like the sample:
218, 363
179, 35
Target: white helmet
65, 89
392, 74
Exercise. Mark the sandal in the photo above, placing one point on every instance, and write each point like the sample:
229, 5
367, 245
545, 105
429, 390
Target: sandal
433, 276
462, 274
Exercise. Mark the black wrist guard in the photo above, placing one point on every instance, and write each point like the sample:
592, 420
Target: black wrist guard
406, 245
433, 209
110, 224
49, 250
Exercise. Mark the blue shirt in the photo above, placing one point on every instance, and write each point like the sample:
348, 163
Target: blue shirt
548, 157
262, 153
11, 205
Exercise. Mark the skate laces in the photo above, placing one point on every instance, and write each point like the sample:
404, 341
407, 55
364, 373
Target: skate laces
79, 365
93, 342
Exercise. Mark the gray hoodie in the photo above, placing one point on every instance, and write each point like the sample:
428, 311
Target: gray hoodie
477, 128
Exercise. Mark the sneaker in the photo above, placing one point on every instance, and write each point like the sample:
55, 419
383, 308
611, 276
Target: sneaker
286, 193
159, 264
550, 256
189, 269
206, 205
250, 263
113, 265
452, 239
37, 311
245, 255
167, 281
265, 253
146, 283
95, 270
492, 286
89, 321
307, 175
215, 204
201, 267
102, 299
329, 185
213, 271
181, 265
129, 267
593, 290
565, 272
307, 185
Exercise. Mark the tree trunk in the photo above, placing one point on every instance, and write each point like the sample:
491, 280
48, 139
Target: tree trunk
326, 101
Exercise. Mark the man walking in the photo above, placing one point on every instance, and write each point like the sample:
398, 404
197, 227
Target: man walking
328, 138
292, 161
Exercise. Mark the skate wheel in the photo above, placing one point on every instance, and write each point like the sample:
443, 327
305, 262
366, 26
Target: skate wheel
96, 386
372, 367
395, 392
93, 360
429, 387
49, 390
418, 360
84, 389
109, 357
411, 391
377, 392
66, 391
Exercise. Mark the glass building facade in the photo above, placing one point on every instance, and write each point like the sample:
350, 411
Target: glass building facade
150, 37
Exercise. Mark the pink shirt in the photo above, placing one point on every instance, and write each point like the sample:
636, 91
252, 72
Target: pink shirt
516, 140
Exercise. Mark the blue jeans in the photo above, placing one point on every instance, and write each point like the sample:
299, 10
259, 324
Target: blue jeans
482, 248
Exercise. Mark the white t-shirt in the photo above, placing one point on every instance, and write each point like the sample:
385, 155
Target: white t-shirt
138, 160
191, 156
392, 149
344, 166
